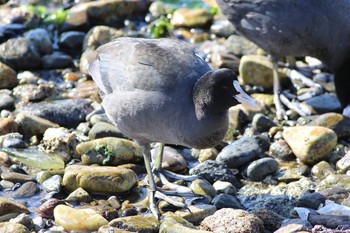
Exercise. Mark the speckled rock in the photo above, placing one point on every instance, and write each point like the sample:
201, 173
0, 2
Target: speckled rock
344, 163
239, 153
109, 151
260, 168
147, 224
310, 144
19, 54
257, 70
100, 35
99, 179
8, 77
335, 180
191, 18
280, 149
31, 92
30, 125
272, 221
322, 170
205, 154
78, 220
231, 220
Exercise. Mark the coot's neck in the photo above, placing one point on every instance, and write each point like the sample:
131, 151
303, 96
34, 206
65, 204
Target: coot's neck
213, 94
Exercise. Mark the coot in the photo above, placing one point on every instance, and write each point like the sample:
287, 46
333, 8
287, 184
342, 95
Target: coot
297, 28
161, 91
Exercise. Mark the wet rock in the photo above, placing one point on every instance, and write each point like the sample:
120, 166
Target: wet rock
196, 213
239, 153
78, 220
13, 227
322, 170
261, 168
40, 38
335, 121
16, 177
136, 224
45, 210
310, 144
311, 200
224, 200
280, 149
8, 77
6, 101
7, 125
172, 159
71, 42
202, 187
294, 225
191, 18
224, 187
335, 180
111, 151
80, 195
324, 103
344, 163
99, 179
31, 92
27, 189
257, 70
222, 28
231, 220
30, 125
100, 35
103, 129
19, 54
213, 171
262, 123
272, 221
239, 46
7, 206
68, 112
56, 60
25, 220
52, 184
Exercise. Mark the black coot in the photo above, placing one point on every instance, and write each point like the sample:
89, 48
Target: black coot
161, 91
318, 28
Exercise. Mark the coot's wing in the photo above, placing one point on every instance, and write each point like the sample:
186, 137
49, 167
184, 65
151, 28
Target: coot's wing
155, 65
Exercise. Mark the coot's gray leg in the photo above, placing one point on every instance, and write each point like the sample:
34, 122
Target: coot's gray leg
280, 112
152, 184
157, 166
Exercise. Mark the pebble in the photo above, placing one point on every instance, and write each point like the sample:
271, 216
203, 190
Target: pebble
71, 42
335, 121
224, 200
8, 77
46, 209
259, 169
322, 170
16, 177
25, 220
174, 223
294, 225
310, 144
222, 28
280, 150
324, 103
30, 125
224, 187
191, 18
100, 35
13, 227
27, 189
104, 129
257, 70
202, 187
240, 46
40, 38
239, 153
99, 179
205, 154
7, 125
8, 206
343, 164
19, 54
136, 224
67, 112
56, 61
232, 220
32, 92
172, 159
271, 220
6, 101
52, 184
262, 123
333, 180
311, 200
81, 195
78, 219
109, 151
212, 171
196, 213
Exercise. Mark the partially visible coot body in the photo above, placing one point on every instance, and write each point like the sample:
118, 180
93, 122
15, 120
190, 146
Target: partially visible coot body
318, 28
161, 91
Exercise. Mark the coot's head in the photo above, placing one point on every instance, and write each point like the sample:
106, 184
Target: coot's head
217, 91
